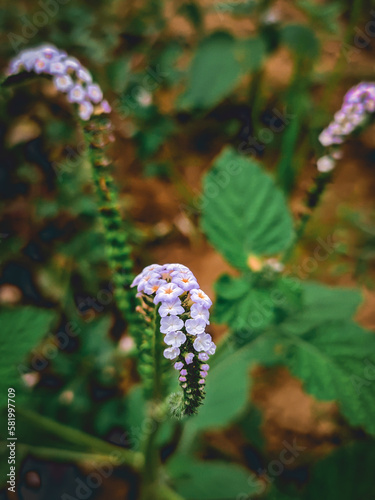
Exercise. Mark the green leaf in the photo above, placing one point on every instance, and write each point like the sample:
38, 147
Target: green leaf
322, 304
213, 74
336, 362
251, 53
345, 474
251, 303
326, 16
301, 40
211, 480
244, 212
228, 383
21, 330
118, 74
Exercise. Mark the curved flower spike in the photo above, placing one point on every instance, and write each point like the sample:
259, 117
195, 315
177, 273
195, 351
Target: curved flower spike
358, 103
72, 79
183, 311
69, 77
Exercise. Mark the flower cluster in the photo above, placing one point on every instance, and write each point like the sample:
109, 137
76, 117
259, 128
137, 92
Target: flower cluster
183, 310
69, 77
358, 103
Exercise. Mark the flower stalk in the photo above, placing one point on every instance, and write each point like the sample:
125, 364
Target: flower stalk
71, 78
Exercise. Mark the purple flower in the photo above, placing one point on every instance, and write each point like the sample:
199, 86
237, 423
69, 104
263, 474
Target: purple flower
182, 379
203, 342
189, 358
175, 339
183, 372
171, 352
205, 367
77, 94
85, 110
94, 92
105, 107
171, 324
195, 326
168, 293
199, 297
63, 83
203, 356
178, 365
174, 308
203, 374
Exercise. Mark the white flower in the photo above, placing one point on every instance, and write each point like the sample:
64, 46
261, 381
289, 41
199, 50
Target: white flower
84, 75
76, 94
153, 285
173, 308
185, 281
211, 349
95, 93
171, 324
41, 64
85, 110
325, 138
325, 164
145, 279
175, 339
199, 312
203, 342
57, 68
63, 83
199, 297
195, 326
168, 293
171, 352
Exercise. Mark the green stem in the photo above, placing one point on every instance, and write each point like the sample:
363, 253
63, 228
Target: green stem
313, 198
75, 436
60, 455
156, 409
98, 136
331, 86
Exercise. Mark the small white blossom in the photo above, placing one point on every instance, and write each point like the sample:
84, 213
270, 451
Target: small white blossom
325, 164
168, 293
203, 342
195, 326
171, 352
171, 324
175, 339
173, 308
199, 297
199, 312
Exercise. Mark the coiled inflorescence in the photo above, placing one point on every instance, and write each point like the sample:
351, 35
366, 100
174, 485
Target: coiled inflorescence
183, 310
69, 77
73, 79
358, 103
